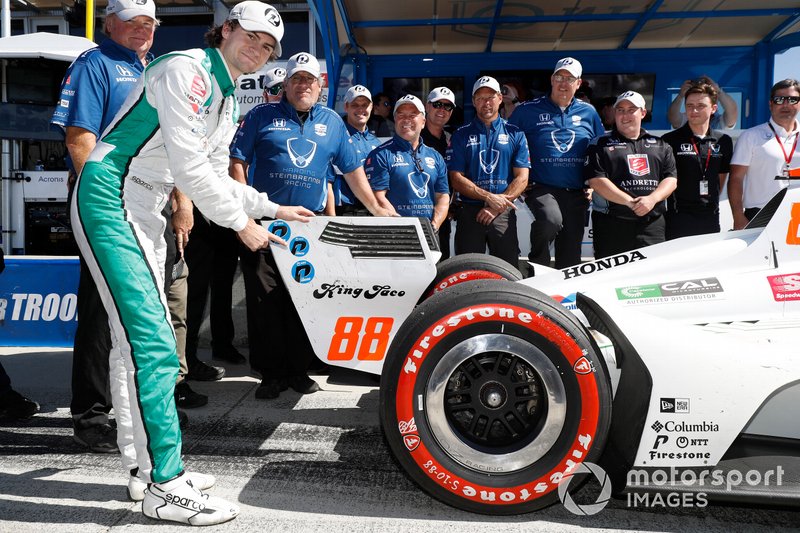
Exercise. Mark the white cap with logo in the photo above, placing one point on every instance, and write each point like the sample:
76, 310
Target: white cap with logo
355, 91
410, 99
485, 81
442, 93
302, 62
571, 65
633, 97
127, 9
274, 76
253, 15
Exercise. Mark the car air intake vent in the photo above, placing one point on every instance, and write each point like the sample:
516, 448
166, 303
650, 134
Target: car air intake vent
430, 235
384, 242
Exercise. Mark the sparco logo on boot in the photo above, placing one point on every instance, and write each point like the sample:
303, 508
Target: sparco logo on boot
186, 503
603, 264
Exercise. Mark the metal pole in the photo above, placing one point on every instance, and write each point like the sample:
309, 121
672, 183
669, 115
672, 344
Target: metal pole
89, 19
6, 9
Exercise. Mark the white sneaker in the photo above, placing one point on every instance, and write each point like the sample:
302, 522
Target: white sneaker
179, 501
137, 485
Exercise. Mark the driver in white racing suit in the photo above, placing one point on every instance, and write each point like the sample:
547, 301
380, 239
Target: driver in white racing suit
172, 131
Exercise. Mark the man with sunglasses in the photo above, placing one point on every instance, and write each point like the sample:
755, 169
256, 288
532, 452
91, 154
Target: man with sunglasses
702, 159
488, 163
764, 152
357, 107
273, 85
558, 127
438, 110
289, 149
380, 123
405, 172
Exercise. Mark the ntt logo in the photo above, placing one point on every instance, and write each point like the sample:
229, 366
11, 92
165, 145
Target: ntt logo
590, 508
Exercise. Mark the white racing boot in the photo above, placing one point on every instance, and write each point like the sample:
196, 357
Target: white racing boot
179, 501
137, 485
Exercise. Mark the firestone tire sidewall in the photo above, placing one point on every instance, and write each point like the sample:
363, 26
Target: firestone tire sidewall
470, 267
465, 312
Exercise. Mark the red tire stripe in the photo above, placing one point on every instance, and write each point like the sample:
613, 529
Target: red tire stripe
587, 427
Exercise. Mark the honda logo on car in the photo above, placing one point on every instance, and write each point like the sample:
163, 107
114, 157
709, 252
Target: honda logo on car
603, 264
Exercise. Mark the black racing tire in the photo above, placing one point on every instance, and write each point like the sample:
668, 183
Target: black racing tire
469, 267
490, 394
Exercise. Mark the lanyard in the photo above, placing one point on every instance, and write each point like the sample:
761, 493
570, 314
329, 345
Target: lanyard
786, 158
708, 157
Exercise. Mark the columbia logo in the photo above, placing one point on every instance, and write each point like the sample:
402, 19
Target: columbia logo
657, 426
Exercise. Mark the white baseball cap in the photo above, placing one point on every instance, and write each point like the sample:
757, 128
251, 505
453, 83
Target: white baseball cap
633, 97
410, 99
355, 91
253, 15
127, 9
442, 93
274, 76
485, 81
302, 62
571, 65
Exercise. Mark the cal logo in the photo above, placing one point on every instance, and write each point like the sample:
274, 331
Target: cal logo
638, 165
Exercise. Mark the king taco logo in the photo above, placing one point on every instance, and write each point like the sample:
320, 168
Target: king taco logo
785, 287
638, 165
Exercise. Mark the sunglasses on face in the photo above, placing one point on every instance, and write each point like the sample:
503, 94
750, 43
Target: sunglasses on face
443, 105
778, 100
558, 78
275, 90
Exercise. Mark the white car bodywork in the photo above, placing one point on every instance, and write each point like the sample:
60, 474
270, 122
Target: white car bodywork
715, 319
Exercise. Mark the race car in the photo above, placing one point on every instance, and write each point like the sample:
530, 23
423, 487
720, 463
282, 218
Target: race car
680, 358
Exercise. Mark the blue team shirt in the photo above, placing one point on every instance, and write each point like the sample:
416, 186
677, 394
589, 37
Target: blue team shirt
411, 180
558, 139
365, 142
95, 87
488, 156
290, 161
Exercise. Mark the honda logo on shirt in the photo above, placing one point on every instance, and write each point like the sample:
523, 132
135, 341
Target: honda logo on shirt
638, 165
124, 71
544, 117
279, 122
686, 147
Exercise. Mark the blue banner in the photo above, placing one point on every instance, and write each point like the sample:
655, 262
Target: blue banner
38, 301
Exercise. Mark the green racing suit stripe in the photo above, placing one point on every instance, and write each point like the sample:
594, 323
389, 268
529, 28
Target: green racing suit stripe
114, 239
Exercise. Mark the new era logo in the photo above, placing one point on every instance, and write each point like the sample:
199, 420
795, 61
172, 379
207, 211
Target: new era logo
675, 405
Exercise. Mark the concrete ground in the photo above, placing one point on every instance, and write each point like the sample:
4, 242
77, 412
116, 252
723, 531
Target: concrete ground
300, 463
